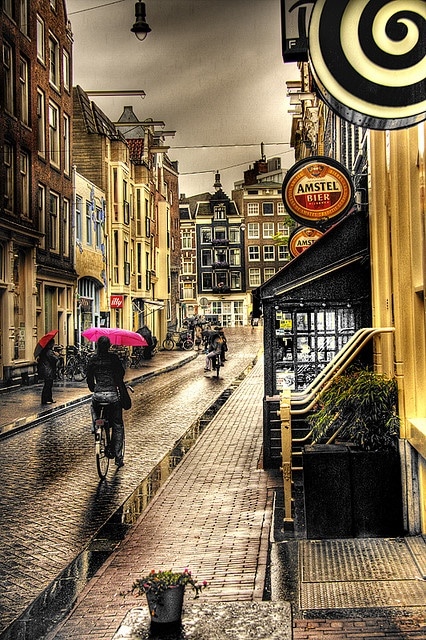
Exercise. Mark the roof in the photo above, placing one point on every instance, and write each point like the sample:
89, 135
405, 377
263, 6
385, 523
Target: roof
95, 119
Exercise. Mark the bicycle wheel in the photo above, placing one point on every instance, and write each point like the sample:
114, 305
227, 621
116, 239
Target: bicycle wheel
79, 372
69, 368
168, 344
101, 442
217, 365
187, 345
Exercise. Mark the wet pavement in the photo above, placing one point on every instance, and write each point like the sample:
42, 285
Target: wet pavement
216, 513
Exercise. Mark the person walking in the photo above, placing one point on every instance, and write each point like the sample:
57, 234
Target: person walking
47, 363
105, 374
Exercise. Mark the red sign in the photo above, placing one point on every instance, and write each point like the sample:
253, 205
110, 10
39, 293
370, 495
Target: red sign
116, 302
301, 239
317, 190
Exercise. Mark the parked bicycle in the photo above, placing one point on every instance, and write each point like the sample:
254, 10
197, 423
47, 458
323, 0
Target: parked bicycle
76, 363
168, 342
185, 341
59, 349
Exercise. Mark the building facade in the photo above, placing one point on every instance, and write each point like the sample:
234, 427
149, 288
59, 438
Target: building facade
37, 276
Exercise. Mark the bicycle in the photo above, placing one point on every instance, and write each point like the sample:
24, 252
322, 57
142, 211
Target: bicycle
60, 365
76, 364
102, 432
215, 365
185, 341
169, 343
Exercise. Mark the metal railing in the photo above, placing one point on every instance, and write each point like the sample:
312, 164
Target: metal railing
299, 404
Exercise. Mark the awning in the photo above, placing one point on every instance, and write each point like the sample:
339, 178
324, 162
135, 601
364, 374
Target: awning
157, 304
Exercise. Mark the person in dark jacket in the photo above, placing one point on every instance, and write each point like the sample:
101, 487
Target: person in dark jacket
47, 363
104, 374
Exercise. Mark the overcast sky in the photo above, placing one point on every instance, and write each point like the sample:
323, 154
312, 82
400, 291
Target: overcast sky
212, 70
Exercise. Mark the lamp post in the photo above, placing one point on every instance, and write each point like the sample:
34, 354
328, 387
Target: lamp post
141, 27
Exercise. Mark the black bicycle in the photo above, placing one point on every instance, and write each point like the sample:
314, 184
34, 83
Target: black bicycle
102, 432
169, 343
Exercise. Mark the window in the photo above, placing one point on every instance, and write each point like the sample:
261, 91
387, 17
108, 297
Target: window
269, 252
8, 77
268, 229
139, 265
253, 230
41, 124
219, 212
235, 280
23, 16
254, 277
98, 227
268, 208
206, 234
25, 183
66, 145
252, 208
187, 265
24, 86
41, 47
188, 291
268, 273
253, 253
283, 228
41, 210
78, 218
2, 263
234, 234
66, 228
206, 257
54, 148
138, 213
283, 252
235, 257
186, 240
54, 73
219, 233
280, 209
66, 69
206, 279
53, 4
9, 186
89, 211
54, 222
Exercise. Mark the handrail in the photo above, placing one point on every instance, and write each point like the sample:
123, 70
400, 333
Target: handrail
323, 380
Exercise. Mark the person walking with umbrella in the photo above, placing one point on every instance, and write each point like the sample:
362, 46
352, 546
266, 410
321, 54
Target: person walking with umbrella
47, 361
105, 374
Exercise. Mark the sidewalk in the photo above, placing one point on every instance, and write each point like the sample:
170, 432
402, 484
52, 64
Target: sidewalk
20, 406
215, 515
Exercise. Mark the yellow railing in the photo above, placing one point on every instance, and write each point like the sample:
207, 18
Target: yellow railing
293, 403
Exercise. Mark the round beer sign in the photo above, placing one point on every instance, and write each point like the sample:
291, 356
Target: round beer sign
301, 239
317, 191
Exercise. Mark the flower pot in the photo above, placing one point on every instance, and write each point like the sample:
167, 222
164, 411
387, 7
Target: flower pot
166, 607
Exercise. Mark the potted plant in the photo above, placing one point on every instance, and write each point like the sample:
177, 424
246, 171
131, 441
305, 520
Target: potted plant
164, 591
357, 417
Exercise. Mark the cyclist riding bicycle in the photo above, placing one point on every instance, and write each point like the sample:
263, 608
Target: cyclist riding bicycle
104, 374
214, 349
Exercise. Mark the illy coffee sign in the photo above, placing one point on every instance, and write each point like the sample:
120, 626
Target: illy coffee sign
368, 58
318, 191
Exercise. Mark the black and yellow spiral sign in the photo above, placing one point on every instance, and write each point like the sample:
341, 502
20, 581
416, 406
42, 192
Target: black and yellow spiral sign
369, 60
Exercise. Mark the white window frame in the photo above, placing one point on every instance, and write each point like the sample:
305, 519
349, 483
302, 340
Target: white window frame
252, 208
283, 252
54, 135
23, 17
186, 240
54, 212
254, 277
8, 77
41, 123
54, 68
265, 206
41, 42
79, 218
67, 161
268, 230
24, 170
283, 229
41, 207
9, 187
24, 90
253, 231
66, 228
268, 272
281, 209
254, 253
268, 252
66, 69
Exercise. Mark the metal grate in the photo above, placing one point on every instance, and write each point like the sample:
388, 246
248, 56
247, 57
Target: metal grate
353, 573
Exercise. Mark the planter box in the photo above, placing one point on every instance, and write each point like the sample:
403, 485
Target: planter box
327, 491
350, 493
376, 494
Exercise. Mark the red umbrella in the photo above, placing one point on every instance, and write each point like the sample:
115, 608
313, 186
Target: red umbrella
117, 336
44, 341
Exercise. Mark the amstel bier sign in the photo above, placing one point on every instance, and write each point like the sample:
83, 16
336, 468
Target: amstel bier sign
317, 191
301, 239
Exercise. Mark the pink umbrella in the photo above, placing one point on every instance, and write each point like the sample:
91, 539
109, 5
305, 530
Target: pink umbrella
117, 336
